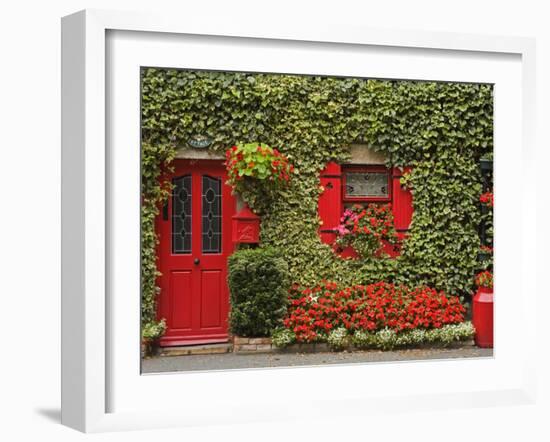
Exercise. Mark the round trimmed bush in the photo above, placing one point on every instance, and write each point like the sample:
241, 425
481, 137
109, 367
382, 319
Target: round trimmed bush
259, 283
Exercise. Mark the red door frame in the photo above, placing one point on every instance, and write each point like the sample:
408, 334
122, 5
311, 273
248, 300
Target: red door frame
194, 296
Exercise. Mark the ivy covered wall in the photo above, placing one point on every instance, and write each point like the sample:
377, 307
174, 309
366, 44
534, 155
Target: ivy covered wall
441, 129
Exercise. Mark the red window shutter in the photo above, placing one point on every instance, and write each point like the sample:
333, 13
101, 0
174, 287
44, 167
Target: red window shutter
330, 201
402, 204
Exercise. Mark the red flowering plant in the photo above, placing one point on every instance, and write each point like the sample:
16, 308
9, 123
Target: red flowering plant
486, 250
314, 312
366, 229
484, 279
487, 198
486, 218
259, 161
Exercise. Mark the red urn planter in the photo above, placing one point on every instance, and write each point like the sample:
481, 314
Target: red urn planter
482, 317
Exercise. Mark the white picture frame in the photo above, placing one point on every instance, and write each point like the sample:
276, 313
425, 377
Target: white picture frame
92, 370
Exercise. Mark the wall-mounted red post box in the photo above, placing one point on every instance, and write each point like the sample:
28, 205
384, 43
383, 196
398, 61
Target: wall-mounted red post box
246, 226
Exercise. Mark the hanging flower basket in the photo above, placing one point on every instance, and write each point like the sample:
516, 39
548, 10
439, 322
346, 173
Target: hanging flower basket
256, 164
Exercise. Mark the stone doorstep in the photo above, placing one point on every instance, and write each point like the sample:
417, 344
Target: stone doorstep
205, 349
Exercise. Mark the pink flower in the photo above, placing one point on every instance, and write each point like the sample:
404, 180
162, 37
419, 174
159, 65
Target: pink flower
341, 230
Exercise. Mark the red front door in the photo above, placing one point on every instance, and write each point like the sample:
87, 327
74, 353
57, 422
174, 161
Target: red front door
195, 241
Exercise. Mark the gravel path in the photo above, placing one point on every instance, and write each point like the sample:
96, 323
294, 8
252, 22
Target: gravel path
239, 361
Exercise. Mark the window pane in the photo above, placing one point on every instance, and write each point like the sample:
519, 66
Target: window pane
181, 215
211, 215
367, 184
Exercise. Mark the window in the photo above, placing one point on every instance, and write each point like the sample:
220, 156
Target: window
366, 183
211, 214
181, 215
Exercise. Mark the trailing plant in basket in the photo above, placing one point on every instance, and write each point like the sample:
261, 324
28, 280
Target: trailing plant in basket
256, 160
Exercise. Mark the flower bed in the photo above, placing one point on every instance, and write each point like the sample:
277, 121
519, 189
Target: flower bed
379, 315
452, 335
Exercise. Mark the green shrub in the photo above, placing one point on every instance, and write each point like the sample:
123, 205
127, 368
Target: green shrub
386, 339
363, 339
153, 330
259, 283
338, 339
451, 333
413, 337
283, 337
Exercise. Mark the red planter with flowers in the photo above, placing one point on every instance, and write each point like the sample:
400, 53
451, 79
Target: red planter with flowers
367, 231
482, 310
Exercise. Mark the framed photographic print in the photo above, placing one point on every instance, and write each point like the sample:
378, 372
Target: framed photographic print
251, 214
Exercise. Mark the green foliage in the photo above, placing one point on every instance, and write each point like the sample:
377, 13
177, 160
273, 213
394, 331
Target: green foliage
441, 129
386, 339
153, 330
444, 244
486, 220
338, 339
282, 337
259, 283
155, 160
